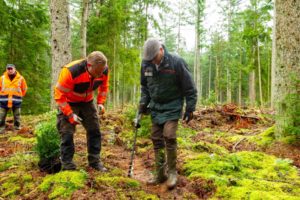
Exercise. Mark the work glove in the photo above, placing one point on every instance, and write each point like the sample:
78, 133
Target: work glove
101, 109
188, 116
75, 119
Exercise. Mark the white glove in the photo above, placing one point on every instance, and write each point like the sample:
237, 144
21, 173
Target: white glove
101, 109
75, 119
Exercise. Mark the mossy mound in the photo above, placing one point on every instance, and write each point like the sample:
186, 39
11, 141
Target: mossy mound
15, 184
63, 184
23, 140
117, 181
22, 161
265, 138
246, 174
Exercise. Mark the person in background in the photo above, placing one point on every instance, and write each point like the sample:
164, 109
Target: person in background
74, 97
13, 88
165, 83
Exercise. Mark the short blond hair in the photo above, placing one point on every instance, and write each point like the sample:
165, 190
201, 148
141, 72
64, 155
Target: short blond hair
97, 57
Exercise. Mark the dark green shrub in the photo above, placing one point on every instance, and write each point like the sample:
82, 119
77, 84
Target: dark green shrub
48, 143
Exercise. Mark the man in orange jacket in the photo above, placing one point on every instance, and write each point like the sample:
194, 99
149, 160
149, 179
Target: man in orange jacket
13, 88
74, 97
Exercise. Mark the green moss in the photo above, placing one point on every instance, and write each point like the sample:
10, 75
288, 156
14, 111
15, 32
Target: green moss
265, 138
22, 140
234, 138
240, 175
142, 195
117, 181
185, 132
13, 184
24, 162
63, 184
5, 165
209, 147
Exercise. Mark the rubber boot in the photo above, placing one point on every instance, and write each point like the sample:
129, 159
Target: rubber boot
172, 173
160, 164
94, 162
3, 113
17, 118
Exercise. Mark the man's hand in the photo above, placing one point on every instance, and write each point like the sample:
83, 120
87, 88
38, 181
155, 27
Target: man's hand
101, 109
136, 120
188, 116
75, 119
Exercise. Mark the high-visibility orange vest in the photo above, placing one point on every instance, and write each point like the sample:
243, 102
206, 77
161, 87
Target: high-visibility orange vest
75, 84
12, 91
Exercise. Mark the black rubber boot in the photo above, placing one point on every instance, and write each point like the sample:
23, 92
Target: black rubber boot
68, 166
160, 164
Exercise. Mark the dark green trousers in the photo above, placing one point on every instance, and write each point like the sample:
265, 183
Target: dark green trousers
16, 114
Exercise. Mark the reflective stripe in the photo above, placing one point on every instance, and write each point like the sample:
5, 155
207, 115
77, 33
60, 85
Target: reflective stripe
82, 94
4, 99
103, 94
64, 104
17, 100
11, 90
62, 88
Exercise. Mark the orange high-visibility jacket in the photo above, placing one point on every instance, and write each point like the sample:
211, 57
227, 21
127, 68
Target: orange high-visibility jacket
12, 91
75, 85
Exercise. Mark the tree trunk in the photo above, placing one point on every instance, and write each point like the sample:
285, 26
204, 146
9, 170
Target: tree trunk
259, 74
209, 74
273, 58
240, 80
228, 88
287, 70
217, 80
83, 28
114, 80
60, 39
252, 95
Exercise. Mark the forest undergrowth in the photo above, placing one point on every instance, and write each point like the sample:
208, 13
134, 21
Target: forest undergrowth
226, 152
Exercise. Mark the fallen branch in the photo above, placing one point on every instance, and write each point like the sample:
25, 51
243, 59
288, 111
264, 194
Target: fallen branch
237, 143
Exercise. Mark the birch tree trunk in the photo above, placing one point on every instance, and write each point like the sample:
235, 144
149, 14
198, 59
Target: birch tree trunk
83, 28
60, 39
287, 70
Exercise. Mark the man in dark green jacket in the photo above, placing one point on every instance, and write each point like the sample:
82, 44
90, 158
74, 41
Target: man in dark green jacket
165, 83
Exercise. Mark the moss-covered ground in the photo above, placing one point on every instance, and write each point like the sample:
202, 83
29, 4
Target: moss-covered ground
218, 158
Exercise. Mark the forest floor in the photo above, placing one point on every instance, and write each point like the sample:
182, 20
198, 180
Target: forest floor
221, 130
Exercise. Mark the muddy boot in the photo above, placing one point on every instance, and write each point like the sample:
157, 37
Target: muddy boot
94, 162
172, 174
68, 166
160, 175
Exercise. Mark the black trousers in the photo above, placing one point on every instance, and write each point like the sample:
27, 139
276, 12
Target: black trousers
90, 121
